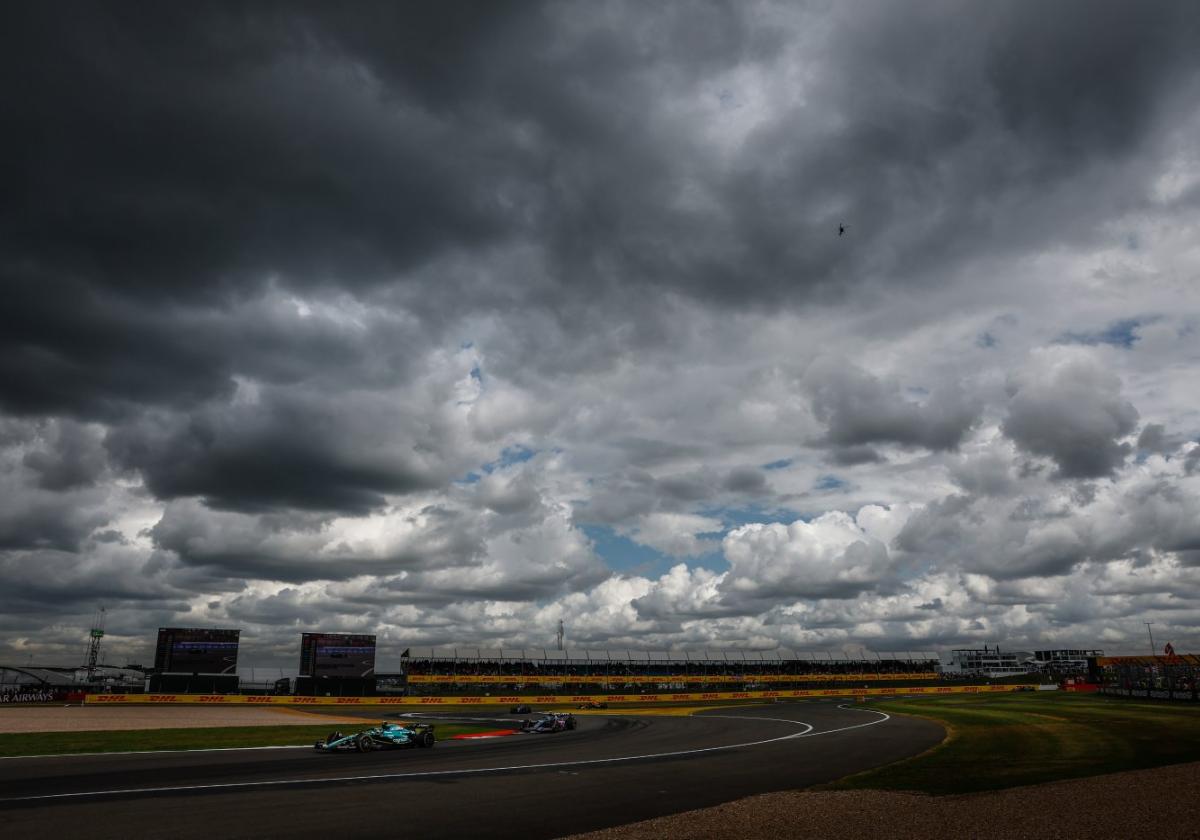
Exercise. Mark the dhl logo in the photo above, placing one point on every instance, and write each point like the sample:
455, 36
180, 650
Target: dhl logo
428, 700
469, 700
161, 698
710, 696
302, 700
681, 697
106, 698
261, 699
581, 698
348, 701
215, 698
508, 699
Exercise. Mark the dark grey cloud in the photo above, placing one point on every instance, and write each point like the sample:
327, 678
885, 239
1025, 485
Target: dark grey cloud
53, 521
1153, 438
850, 456
748, 480
987, 475
241, 246
195, 157
288, 450
1191, 461
860, 410
1069, 408
71, 456
296, 548
45, 579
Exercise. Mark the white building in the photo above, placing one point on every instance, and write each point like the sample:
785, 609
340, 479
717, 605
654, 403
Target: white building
989, 662
1065, 660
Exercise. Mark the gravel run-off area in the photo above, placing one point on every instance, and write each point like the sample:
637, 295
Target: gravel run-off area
1162, 803
114, 718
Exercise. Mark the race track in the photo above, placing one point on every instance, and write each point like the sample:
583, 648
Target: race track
612, 770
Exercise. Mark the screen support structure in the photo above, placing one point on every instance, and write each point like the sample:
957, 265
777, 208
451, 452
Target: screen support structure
95, 637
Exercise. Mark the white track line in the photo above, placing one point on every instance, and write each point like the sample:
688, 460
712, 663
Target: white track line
807, 733
159, 752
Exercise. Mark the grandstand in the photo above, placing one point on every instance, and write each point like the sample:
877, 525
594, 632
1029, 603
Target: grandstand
479, 670
22, 681
1174, 677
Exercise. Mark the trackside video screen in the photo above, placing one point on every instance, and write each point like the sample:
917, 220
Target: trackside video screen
337, 655
196, 650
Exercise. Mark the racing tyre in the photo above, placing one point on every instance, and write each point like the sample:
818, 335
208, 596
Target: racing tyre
571, 723
426, 739
364, 743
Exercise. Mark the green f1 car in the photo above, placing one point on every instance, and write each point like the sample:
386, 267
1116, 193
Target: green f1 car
386, 736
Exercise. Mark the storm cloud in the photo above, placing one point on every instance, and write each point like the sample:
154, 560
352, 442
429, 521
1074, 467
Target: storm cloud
700, 324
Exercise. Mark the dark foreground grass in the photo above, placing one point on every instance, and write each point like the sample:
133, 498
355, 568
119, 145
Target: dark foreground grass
999, 741
62, 743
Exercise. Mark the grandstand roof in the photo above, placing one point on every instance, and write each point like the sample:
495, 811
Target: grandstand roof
471, 652
22, 675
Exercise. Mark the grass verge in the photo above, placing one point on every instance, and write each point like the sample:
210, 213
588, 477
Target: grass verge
999, 741
61, 743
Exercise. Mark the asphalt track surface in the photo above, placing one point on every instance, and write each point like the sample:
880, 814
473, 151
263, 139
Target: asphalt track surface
610, 771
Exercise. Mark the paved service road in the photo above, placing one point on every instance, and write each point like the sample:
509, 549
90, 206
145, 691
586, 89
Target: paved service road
612, 770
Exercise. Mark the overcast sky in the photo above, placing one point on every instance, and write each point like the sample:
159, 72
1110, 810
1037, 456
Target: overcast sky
450, 321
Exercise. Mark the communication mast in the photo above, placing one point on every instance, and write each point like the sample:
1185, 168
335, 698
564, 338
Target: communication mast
560, 634
94, 638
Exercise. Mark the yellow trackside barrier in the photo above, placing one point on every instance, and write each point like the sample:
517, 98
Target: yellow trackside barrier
551, 699
691, 679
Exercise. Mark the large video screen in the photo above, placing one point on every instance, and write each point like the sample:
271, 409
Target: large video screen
337, 655
196, 650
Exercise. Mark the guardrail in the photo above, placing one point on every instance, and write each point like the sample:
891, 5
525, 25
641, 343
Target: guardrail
555, 699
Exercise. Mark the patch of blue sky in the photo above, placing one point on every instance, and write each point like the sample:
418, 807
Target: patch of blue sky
781, 464
508, 456
828, 483
627, 556
737, 517
1121, 333
512, 455
986, 340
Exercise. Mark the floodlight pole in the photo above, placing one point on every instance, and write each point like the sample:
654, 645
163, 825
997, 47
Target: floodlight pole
1148, 630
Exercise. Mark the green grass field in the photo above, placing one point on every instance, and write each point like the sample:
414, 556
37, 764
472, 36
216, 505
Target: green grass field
60, 743
999, 741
